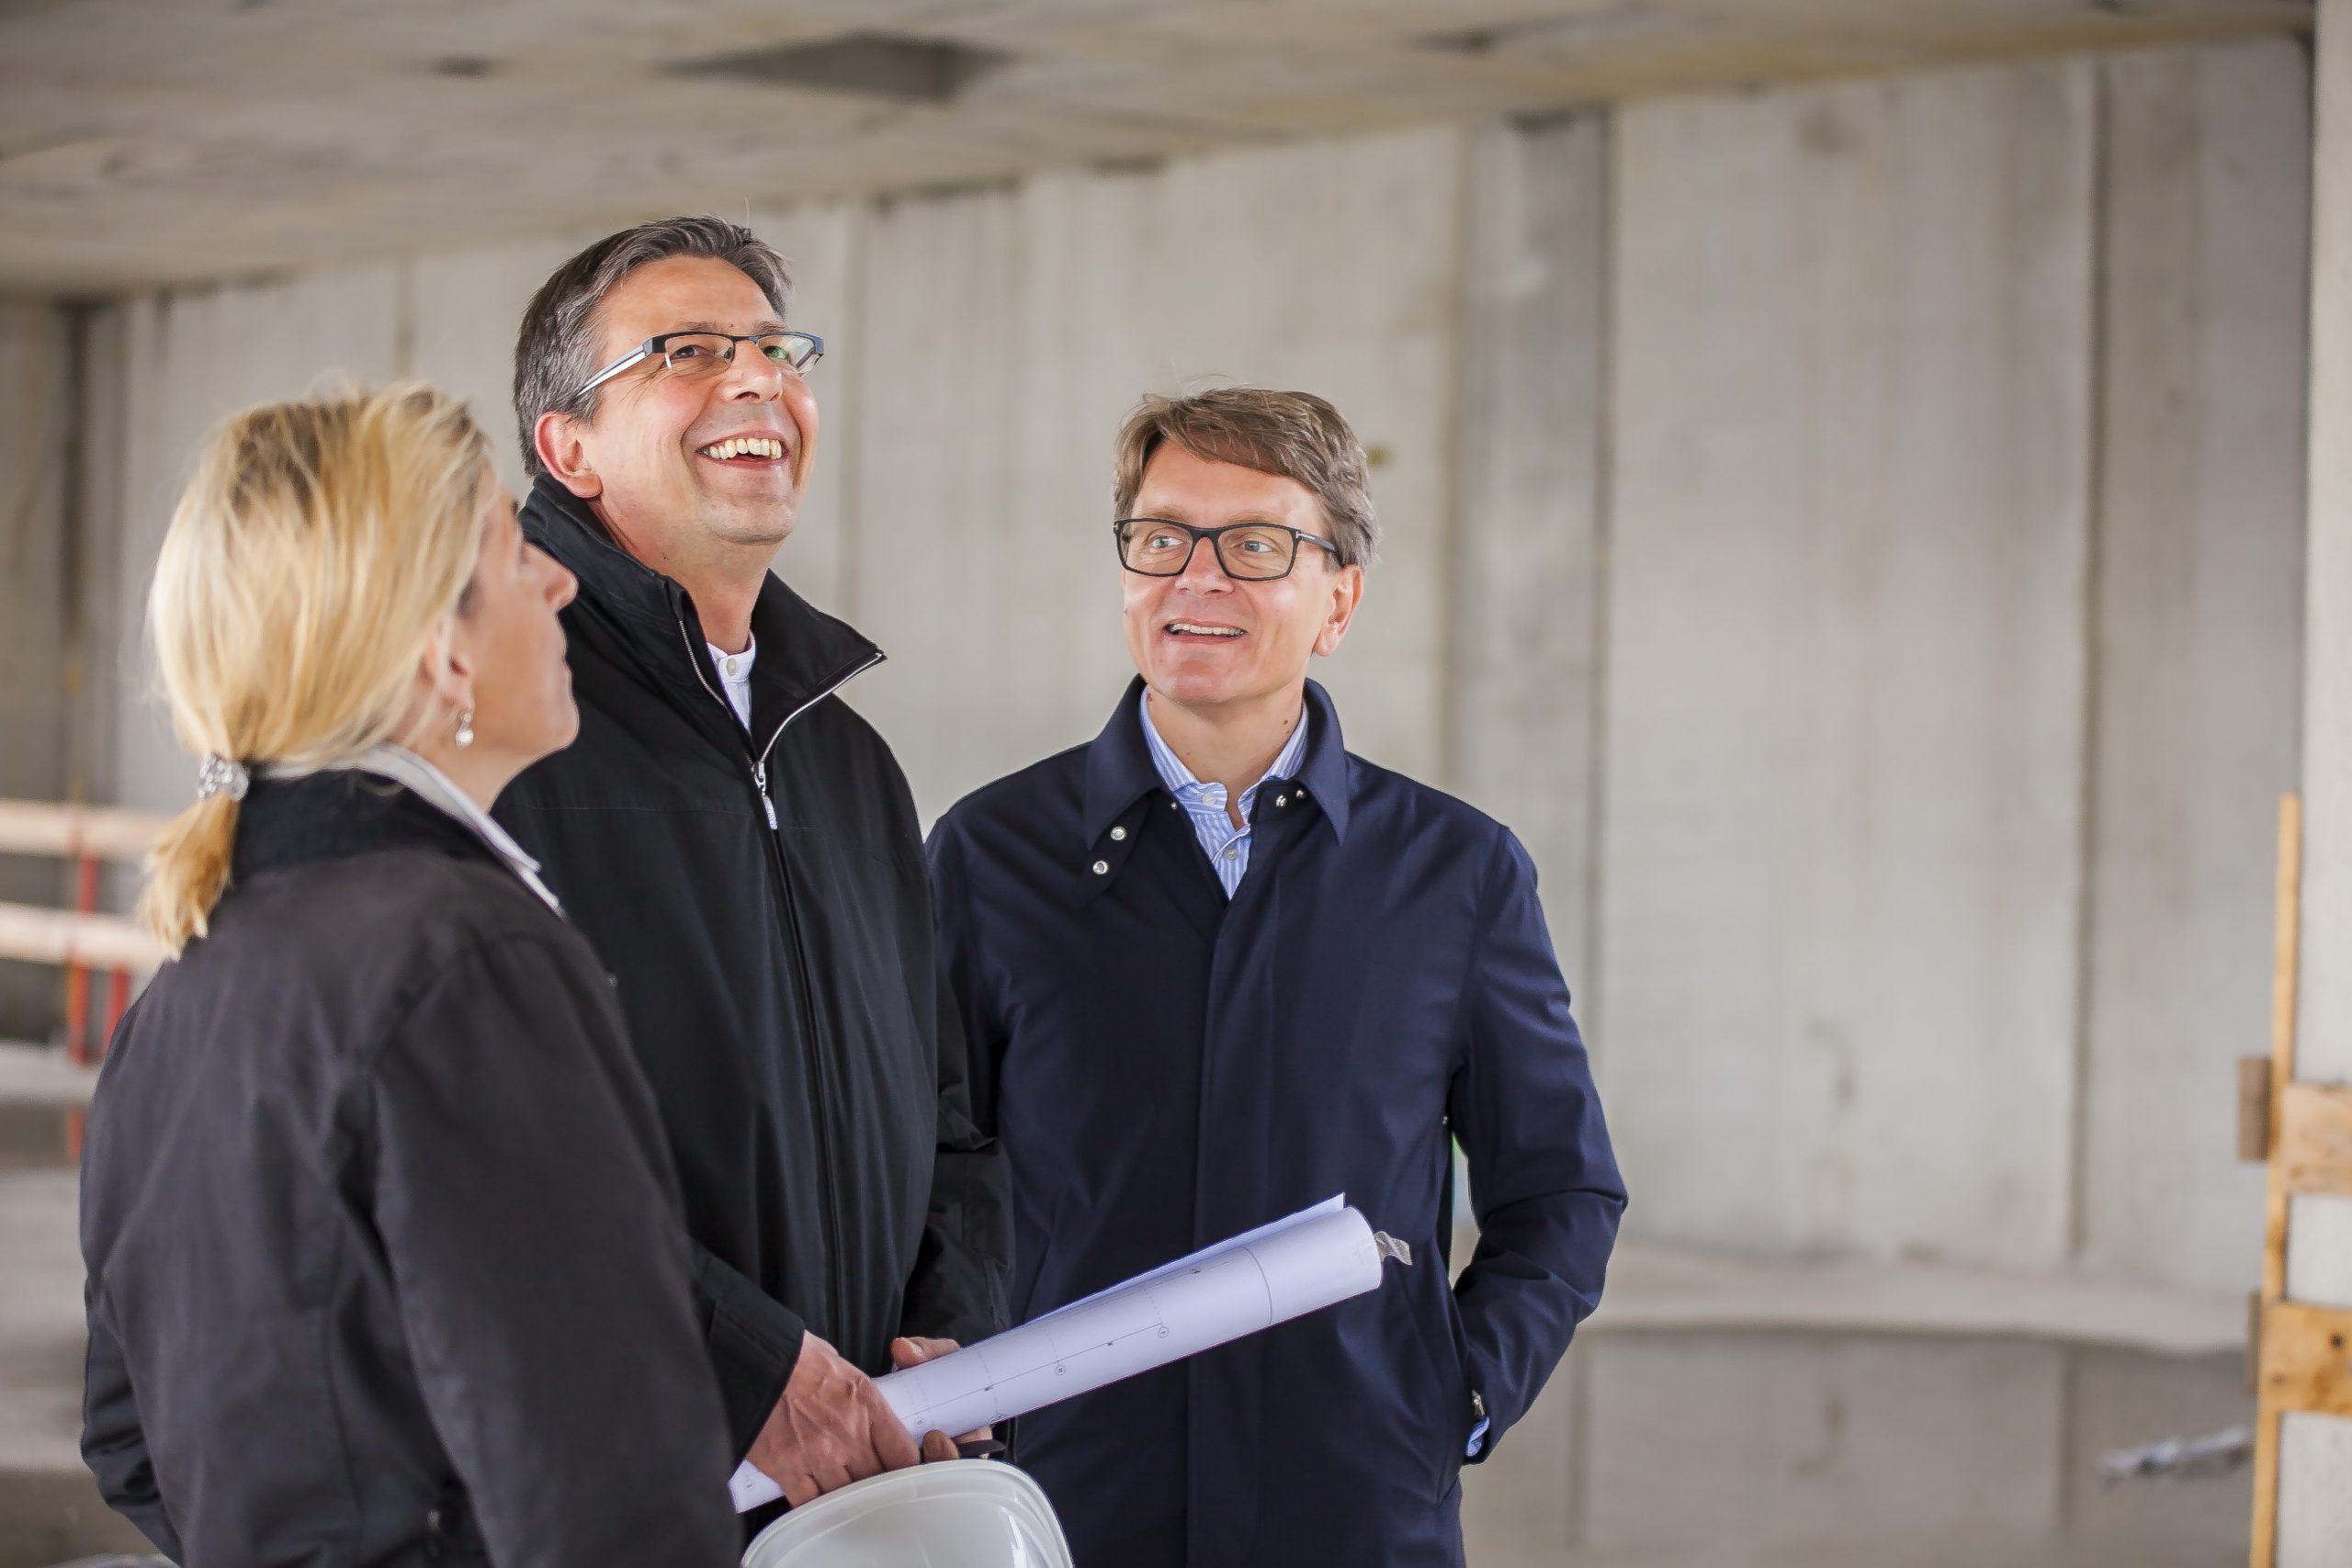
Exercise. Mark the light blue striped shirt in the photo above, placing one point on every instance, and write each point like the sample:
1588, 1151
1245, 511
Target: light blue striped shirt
1228, 846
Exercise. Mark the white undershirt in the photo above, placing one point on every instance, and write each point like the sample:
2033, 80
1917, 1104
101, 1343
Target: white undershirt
735, 676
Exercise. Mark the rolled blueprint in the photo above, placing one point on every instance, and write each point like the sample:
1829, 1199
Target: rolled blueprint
1280, 1272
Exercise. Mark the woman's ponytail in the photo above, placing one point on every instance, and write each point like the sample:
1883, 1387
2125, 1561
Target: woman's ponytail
311, 558
188, 871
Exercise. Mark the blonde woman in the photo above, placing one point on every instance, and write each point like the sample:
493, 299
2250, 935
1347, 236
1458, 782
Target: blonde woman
384, 1260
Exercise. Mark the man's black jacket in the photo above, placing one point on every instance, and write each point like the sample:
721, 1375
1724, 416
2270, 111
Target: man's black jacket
762, 901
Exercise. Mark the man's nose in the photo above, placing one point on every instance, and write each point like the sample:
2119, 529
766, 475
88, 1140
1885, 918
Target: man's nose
753, 375
1205, 573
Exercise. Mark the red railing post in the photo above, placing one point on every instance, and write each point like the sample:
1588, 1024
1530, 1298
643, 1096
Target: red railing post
118, 1000
78, 979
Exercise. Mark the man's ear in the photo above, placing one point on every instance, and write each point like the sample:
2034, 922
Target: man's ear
1346, 595
564, 453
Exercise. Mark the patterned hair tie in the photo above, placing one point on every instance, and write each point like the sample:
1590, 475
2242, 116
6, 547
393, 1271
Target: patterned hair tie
219, 775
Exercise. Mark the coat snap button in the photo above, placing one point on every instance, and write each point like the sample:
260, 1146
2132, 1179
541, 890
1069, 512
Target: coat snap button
1118, 833
1101, 868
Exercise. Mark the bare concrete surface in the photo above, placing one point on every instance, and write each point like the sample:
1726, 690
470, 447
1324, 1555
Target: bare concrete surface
43, 1076
40, 1088
1929, 1417
1666, 1290
50, 1509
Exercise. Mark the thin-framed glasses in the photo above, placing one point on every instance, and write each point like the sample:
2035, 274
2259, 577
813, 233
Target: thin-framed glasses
706, 354
1252, 552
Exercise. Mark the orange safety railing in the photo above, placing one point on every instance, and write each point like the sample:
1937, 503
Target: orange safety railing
84, 941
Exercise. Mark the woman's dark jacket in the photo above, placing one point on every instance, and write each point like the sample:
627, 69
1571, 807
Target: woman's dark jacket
763, 900
384, 1258
1168, 1068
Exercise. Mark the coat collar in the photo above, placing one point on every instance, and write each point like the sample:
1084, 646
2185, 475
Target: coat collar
804, 652
339, 814
1119, 769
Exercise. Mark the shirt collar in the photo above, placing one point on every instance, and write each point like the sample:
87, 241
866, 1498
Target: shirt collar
1120, 770
1179, 778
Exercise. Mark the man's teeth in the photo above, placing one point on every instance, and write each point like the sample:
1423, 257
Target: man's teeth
745, 446
1202, 630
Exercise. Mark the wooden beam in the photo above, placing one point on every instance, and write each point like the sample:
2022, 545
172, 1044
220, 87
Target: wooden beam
2285, 957
2316, 1138
46, 828
2307, 1358
2254, 1109
2286, 953
61, 936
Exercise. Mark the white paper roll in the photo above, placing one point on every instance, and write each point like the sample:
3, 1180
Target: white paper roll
1315, 1257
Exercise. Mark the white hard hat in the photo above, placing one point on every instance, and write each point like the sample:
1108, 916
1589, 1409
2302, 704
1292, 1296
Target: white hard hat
954, 1514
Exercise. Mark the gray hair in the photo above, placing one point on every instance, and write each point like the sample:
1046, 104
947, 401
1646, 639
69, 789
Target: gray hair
555, 352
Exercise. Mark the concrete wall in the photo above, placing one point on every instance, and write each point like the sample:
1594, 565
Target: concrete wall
1851, 530
36, 417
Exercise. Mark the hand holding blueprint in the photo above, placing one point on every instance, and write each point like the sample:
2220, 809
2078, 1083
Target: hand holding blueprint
1276, 1272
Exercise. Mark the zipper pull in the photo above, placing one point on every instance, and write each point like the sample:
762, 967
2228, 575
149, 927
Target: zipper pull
760, 779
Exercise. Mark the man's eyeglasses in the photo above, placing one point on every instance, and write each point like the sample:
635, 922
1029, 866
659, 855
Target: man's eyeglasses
1253, 552
706, 354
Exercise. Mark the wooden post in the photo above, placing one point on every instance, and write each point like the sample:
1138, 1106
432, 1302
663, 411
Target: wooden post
2285, 953
2302, 1352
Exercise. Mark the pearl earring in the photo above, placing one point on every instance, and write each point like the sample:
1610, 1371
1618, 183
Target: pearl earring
465, 728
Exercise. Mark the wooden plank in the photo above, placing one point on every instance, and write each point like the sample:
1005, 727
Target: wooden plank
2285, 955
43, 828
61, 936
2254, 1108
2316, 1138
2307, 1360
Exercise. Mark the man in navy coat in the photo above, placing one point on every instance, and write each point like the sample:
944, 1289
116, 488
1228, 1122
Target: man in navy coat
1212, 969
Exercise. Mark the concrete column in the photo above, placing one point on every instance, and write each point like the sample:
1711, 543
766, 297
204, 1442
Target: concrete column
2315, 1456
36, 373
1002, 335
185, 362
1522, 699
1849, 484
2196, 636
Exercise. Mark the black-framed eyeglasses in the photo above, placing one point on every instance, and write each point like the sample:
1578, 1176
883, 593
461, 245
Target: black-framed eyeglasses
1253, 552
706, 354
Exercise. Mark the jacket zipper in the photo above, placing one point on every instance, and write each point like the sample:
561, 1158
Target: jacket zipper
827, 1196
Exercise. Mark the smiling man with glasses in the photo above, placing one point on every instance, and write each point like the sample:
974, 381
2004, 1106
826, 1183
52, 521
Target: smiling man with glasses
742, 851
1214, 968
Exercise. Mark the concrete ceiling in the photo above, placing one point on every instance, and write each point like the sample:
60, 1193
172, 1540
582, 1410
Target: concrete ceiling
147, 142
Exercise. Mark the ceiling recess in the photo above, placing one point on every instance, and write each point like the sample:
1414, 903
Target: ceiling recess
872, 66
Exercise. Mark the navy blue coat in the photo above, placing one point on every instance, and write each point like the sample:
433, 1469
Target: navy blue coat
1166, 1069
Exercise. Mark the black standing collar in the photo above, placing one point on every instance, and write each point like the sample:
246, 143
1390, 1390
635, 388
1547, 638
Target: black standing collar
1119, 769
804, 652
337, 814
